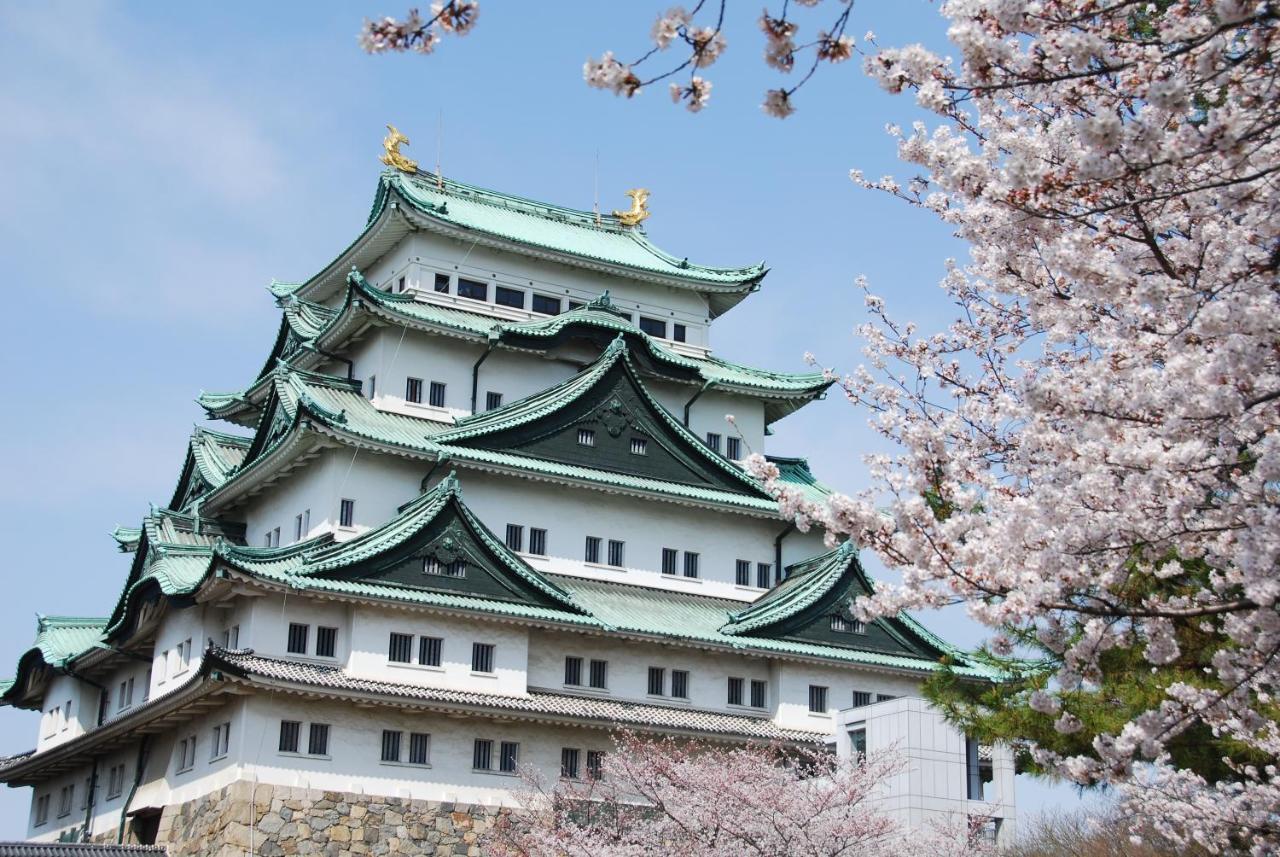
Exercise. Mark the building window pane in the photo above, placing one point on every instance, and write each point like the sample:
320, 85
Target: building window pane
586, 437
858, 742
419, 748
347, 513
742, 573
884, 697
504, 296
735, 691
653, 326
758, 689
817, 699
482, 657
297, 528
289, 730
764, 571
616, 553
593, 549
298, 638
510, 757
326, 642
429, 649
733, 448
413, 390
442, 283
515, 537
639, 446
599, 674
537, 541
678, 332
861, 698
400, 285
573, 671
595, 764
436, 395
680, 684
545, 305
318, 744
390, 745
847, 625
569, 763
433, 566
482, 755
690, 564
713, 441
669, 560
492, 401
400, 648
473, 289
657, 681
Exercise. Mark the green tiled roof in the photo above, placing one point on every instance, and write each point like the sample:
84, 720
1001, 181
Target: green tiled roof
805, 584
564, 231
127, 538
795, 473
61, 638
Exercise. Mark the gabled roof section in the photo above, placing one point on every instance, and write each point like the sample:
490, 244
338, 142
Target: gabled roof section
802, 606
795, 473
610, 403
212, 457
59, 640
435, 544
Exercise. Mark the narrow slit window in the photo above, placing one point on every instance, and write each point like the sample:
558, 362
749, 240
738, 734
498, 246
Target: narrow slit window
400, 285
347, 513
569, 763
297, 528
371, 388
679, 332
759, 691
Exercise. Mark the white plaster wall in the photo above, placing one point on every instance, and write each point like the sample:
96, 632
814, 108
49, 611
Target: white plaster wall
58, 723
267, 632
168, 671
570, 514
793, 680
708, 412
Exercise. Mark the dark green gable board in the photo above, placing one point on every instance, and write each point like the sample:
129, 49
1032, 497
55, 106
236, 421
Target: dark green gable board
448, 538
617, 412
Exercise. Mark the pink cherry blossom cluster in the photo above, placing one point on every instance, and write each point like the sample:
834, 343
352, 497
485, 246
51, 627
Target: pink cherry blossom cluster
668, 796
416, 33
1103, 417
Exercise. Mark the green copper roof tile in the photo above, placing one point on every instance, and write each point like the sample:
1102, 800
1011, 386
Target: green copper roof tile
61, 638
805, 584
795, 473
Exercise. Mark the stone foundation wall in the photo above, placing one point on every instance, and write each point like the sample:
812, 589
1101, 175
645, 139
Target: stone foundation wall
275, 821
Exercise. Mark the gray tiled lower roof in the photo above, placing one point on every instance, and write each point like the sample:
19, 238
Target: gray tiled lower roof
75, 849
604, 712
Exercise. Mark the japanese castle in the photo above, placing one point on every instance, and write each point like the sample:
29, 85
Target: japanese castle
480, 508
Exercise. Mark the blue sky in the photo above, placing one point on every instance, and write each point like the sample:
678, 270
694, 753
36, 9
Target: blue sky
162, 162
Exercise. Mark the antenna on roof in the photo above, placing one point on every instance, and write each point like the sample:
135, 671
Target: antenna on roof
439, 146
596, 178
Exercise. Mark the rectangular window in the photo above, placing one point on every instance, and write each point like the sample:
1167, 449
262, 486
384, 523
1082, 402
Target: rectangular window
735, 691
515, 537
346, 513
545, 305
569, 763
595, 764
713, 441
653, 326
266, 540
65, 797
221, 741
306, 521
371, 389
400, 648
275, 537
391, 745
289, 731
115, 781
680, 684
429, 649
482, 755
297, 528
298, 635
978, 768
733, 448
318, 740
400, 285
537, 541
858, 742
669, 560
573, 671
599, 674
482, 657
861, 698
85, 792
847, 625
742, 573
764, 571
884, 697
121, 703
436, 394
616, 553
657, 681
457, 568
419, 748
586, 437
442, 283
326, 642
690, 564
758, 693
504, 296
592, 553
639, 446
413, 390
473, 289
678, 332
817, 699
42, 809
492, 401
509, 758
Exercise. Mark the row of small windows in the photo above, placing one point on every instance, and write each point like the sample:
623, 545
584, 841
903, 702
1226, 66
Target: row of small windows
537, 539
570, 758
429, 652
291, 734
299, 640
616, 555
436, 393
541, 304
742, 573
597, 673
670, 562
758, 692
301, 526
658, 683
640, 445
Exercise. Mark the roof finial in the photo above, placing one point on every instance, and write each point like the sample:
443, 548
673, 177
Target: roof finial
638, 211
392, 157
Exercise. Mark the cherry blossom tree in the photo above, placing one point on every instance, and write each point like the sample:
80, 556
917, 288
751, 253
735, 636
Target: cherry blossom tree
668, 796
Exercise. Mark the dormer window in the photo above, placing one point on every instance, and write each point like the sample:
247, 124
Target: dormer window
847, 625
586, 437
